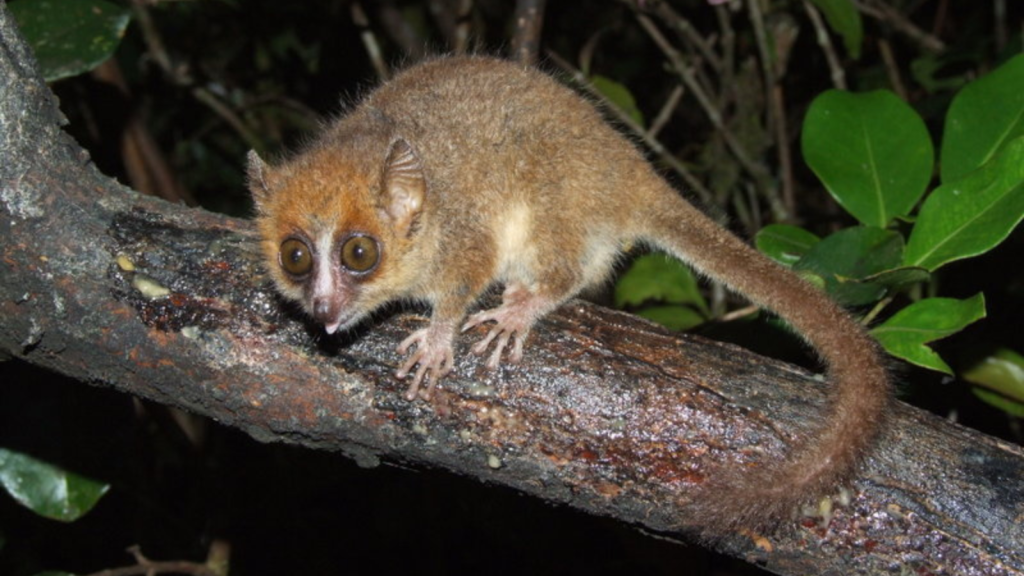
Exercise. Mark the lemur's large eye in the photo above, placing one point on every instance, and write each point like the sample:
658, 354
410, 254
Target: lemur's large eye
296, 257
360, 253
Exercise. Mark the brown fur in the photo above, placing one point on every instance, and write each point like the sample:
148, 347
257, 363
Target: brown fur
522, 183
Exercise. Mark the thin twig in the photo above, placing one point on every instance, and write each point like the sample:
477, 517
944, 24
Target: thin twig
622, 116
939, 24
775, 121
147, 567
768, 58
737, 314
463, 10
891, 68
876, 310
728, 44
400, 31
180, 76
369, 41
686, 30
586, 54
785, 154
727, 74
1002, 36
148, 169
228, 115
529, 21
825, 41
667, 109
888, 14
712, 113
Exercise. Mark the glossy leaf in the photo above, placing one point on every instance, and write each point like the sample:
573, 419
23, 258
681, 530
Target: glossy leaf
784, 243
872, 152
46, 489
844, 18
908, 332
846, 258
70, 37
971, 215
984, 117
659, 278
1002, 372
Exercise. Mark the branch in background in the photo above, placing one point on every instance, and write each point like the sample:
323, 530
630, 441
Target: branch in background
892, 69
369, 41
774, 57
728, 43
1002, 36
666, 111
146, 567
529, 21
727, 96
825, 41
939, 23
689, 34
146, 165
767, 57
399, 30
453, 18
622, 116
464, 9
784, 32
888, 14
179, 76
586, 53
757, 171
785, 154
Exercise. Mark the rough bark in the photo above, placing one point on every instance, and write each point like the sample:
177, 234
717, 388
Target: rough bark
608, 413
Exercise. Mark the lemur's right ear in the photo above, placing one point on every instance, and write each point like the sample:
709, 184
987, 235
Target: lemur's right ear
256, 174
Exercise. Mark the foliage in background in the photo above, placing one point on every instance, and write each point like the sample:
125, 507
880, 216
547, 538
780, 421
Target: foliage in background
46, 489
70, 37
874, 155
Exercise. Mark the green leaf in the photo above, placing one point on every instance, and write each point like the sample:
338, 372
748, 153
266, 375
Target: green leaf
872, 152
618, 95
924, 71
844, 18
848, 257
46, 489
1002, 372
784, 243
983, 118
906, 334
70, 37
659, 278
1011, 407
972, 215
673, 316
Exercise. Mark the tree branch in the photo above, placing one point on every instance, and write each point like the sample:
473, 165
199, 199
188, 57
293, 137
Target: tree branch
529, 21
608, 413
